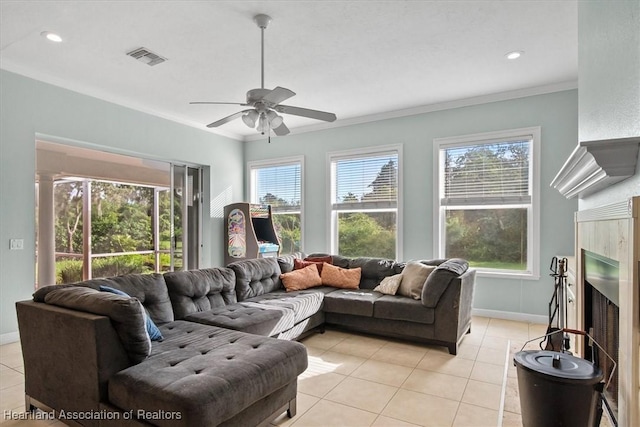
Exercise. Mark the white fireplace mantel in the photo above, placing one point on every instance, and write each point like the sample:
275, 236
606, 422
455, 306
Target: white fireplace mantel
595, 165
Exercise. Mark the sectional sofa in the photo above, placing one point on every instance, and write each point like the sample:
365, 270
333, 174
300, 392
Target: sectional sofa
88, 354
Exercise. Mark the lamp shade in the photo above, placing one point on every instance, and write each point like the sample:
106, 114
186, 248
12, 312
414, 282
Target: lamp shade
263, 124
250, 118
274, 119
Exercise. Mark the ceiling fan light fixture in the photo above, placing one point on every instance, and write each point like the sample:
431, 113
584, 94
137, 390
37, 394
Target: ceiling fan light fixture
250, 118
274, 119
263, 124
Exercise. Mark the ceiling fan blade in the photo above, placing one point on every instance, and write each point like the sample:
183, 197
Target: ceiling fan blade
305, 112
227, 119
281, 130
277, 95
213, 102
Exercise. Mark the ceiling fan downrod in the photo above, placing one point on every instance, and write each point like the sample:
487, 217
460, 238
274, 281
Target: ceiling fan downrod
262, 21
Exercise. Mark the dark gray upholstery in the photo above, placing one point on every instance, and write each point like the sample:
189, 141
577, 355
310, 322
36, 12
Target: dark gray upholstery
398, 307
195, 291
126, 314
256, 277
351, 301
373, 270
440, 279
206, 374
286, 261
241, 317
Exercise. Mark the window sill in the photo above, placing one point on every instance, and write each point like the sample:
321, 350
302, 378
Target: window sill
507, 275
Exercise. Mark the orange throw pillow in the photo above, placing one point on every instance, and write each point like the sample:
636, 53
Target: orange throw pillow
299, 263
303, 278
347, 278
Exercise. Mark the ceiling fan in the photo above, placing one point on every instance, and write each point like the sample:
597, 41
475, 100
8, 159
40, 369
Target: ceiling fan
265, 103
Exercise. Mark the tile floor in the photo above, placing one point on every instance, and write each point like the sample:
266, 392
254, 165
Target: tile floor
361, 380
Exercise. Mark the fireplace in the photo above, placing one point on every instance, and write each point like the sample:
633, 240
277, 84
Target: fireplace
601, 310
607, 278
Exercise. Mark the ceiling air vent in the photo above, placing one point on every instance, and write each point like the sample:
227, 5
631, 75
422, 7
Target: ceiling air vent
145, 55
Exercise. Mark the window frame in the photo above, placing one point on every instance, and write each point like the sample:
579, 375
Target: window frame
332, 219
282, 161
533, 213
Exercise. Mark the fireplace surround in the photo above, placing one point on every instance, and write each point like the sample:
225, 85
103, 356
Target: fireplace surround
612, 232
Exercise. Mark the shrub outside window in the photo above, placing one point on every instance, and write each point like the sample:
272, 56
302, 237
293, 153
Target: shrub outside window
365, 190
487, 206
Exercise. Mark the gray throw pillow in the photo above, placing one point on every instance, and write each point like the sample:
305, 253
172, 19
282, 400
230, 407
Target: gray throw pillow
126, 314
414, 276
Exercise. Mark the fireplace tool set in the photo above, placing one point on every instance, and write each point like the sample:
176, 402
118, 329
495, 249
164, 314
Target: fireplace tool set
555, 387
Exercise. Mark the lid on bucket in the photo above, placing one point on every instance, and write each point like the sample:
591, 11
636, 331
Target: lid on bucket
559, 365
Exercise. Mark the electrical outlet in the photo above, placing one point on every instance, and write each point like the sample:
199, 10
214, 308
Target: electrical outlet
16, 244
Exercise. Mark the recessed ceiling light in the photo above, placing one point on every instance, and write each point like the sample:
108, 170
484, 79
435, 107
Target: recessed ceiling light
51, 36
514, 55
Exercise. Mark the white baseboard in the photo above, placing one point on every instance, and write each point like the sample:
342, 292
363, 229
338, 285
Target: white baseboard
510, 315
9, 338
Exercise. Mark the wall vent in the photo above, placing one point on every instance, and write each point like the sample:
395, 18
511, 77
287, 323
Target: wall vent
145, 55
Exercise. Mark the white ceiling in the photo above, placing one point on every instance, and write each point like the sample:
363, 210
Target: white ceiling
358, 59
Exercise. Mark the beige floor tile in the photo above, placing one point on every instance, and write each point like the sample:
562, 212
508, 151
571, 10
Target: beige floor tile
314, 351
509, 419
326, 413
480, 321
468, 351
404, 357
324, 341
10, 377
488, 373
537, 330
475, 416
383, 421
483, 394
318, 385
362, 394
446, 364
12, 397
407, 345
492, 355
512, 398
436, 384
421, 409
341, 363
304, 403
498, 343
521, 332
381, 372
358, 347
474, 338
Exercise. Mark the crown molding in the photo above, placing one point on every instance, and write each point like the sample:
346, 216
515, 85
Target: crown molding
596, 165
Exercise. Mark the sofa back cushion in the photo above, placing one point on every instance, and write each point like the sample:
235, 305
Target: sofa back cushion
373, 270
149, 289
256, 277
127, 315
286, 261
194, 291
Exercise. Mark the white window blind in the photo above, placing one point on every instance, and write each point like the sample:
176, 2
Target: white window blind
279, 186
487, 173
366, 182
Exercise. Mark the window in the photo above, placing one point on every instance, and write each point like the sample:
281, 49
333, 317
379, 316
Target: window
365, 193
487, 189
279, 184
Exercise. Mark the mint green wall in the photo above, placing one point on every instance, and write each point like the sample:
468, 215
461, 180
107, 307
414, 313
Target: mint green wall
30, 107
609, 85
556, 113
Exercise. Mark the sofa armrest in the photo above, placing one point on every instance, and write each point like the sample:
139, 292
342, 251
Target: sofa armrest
68, 355
453, 312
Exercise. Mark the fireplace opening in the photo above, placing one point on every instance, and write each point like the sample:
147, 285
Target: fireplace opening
601, 320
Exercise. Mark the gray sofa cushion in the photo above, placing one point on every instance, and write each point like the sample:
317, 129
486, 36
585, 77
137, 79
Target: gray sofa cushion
286, 261
240, 317
206, 374
440, 278
194, 291
256, 277
303, 303
373, 270
127, 315
395, 307
358, 302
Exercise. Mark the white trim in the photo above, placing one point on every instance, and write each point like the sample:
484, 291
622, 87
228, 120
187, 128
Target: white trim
533, 221
281, 161
429, 108
9, 337
510, 315
357, 153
